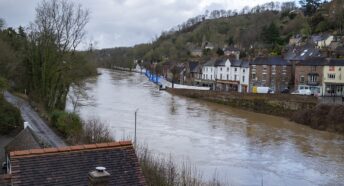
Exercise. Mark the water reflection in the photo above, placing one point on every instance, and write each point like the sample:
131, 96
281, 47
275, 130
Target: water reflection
244, 148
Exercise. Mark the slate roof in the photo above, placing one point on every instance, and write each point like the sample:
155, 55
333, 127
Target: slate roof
210, 63
71, 165
276, 60
313, 61
25, 140
235, 63
302, 52
231, 48
220, 62
193, 66
336, 62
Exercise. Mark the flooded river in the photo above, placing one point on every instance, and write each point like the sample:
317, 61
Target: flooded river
243, 148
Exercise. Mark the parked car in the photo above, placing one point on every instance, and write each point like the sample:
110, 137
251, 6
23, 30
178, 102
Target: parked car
285, 91
306, 92
263, 90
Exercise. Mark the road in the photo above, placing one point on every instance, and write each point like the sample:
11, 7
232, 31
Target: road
35, 121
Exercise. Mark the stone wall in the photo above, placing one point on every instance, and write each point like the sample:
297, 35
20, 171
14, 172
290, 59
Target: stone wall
275, 104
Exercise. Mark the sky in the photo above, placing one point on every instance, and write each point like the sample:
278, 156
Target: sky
115, 23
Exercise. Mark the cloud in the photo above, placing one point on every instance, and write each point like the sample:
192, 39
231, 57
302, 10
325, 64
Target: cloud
125, 22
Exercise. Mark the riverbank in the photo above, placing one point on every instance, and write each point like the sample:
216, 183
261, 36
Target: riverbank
302, 109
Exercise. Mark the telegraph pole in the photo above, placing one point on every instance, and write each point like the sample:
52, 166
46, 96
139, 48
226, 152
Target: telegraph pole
135, 126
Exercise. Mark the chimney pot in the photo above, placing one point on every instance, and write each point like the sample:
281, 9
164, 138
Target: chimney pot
99, 177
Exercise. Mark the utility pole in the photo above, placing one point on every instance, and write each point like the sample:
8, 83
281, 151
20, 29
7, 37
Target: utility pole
135, 126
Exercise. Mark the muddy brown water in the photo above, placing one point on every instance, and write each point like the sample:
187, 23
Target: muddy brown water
240, 147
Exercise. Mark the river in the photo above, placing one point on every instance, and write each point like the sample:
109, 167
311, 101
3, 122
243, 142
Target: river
243, 148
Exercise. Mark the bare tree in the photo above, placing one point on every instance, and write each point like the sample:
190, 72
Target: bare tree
78, 94
55, 34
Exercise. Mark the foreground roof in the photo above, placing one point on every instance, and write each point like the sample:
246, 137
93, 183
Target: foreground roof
71, 165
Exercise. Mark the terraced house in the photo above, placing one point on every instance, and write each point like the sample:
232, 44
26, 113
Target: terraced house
333, 84
227, 74
273, 72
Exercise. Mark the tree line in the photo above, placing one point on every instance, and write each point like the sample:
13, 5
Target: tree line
41, 60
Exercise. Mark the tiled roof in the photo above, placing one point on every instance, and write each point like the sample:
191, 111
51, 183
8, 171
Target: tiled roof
277, 60
71, 165
26, 139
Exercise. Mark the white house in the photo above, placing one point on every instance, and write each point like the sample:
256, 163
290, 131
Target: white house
229, 75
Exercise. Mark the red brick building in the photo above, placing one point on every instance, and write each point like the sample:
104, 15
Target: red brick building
273, 72
310, 72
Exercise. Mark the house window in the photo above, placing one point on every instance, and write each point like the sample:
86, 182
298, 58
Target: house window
235, 69
221, 69
312, 78
273, 68
254, 76
243, 70
331, 76
221, 76
243, 78
211, 76
235, 77
227, 69
264, 67
302, 79
207, 76
227, 77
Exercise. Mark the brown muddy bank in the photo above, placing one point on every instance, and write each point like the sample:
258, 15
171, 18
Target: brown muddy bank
301, 109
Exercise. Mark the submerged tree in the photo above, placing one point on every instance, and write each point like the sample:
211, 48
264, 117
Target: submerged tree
54, 36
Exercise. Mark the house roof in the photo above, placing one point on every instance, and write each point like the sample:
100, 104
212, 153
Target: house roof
220, 62
336, 62
210, 63
302, 52
231, 48
276, 60
71, 165
193, 66
313, 61
25, 140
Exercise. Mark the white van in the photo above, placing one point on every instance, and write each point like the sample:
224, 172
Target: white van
307, 90
262, 90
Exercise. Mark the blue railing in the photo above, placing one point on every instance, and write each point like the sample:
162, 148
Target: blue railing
153, 77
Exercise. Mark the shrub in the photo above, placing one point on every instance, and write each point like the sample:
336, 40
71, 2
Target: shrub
95, 131
10, 118
68, 124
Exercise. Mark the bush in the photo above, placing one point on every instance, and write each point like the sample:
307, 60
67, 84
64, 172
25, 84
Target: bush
68, 124
10, 118
96, 131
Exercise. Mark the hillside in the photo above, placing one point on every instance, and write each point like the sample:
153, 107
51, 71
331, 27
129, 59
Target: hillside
263, 30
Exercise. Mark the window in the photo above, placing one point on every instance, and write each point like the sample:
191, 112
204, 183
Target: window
264, 77
243, 78
235, 69
331, 76
227, 69
302, 79
264, 67
273, 67
235, 77
221, 76
207, 76
211, 76
227, 77
253, 76
312, 78
221, 69
243, 70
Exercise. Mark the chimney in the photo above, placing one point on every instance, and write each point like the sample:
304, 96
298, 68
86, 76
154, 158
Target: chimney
98, 177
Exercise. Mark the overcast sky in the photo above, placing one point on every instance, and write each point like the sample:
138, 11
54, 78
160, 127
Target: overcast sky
125, 22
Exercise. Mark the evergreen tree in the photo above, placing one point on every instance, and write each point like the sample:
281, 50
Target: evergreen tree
310, 6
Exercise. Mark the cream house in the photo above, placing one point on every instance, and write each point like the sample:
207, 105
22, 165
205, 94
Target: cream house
333, 82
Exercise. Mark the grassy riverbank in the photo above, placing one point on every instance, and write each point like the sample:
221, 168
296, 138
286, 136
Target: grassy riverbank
302, 109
